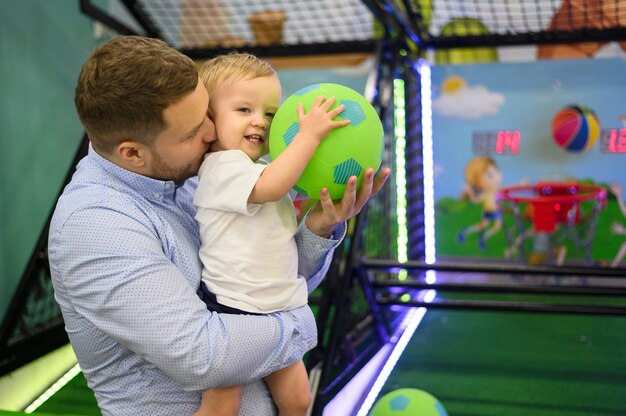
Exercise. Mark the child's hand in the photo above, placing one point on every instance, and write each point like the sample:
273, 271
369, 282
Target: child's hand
318, 122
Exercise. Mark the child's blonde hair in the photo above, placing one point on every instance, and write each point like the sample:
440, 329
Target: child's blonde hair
476, 168
233, 66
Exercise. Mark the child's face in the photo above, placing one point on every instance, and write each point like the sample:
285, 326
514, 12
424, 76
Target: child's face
242, 111
491, 179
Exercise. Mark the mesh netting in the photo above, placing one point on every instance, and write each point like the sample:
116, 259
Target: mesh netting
529, 16
439, 24
238, 23
447, 18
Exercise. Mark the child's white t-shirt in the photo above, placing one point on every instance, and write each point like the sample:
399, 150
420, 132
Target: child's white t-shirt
248, 252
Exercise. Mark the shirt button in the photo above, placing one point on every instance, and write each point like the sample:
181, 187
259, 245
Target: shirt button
318, 246
156, 194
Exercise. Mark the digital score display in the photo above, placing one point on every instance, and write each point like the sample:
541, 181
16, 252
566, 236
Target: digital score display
507, 142
499, 142
613, 140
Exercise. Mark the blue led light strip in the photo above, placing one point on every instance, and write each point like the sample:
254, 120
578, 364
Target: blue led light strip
423, 67
413, 318
415, 315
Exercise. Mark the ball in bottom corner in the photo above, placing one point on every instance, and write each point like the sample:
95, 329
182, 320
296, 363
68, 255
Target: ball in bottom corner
408, 402
346, 151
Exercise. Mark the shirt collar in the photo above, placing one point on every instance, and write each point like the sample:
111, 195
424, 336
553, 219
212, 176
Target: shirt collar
153, 189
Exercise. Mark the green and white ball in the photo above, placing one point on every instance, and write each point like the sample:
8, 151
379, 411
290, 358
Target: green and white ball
408, 402
346, 151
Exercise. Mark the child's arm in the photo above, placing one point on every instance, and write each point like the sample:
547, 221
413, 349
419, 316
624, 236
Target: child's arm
280, 176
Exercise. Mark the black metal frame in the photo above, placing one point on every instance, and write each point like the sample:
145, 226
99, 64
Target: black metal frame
377, 293
566, 292
19, 342
99, 15
402, 21
407, 39
394, 60
533, 38
336, 291
276, 51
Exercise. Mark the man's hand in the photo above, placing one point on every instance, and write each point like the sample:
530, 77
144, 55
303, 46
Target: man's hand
327, 214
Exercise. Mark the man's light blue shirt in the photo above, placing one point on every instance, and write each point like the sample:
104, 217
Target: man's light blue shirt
124, 260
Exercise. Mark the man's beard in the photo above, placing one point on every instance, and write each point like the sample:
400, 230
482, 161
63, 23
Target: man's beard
165, 172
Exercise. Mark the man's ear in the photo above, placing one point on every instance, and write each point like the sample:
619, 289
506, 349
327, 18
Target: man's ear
133, 153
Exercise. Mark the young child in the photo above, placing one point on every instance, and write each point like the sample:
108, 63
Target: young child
246, 217
483, 178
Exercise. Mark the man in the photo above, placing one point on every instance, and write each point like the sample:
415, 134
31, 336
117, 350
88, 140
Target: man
123, 245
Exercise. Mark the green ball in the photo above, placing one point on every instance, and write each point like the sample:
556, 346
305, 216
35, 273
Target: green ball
408, 402
346, 151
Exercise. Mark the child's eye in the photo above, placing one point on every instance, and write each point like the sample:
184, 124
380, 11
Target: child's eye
244, 110
269, 115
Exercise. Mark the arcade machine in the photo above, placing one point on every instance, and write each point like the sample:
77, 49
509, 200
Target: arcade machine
497, 290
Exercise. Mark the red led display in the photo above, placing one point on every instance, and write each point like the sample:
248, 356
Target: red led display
617, 141
508, 141
613, 140
501, 142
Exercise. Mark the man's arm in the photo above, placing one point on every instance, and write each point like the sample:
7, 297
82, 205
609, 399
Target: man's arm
118, 278
315, 253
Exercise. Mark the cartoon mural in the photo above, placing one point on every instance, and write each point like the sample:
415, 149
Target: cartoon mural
483, 179
553, 120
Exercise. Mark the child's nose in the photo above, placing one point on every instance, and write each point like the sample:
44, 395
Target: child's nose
259, 121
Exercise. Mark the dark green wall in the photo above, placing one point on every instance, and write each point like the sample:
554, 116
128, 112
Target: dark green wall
43, 44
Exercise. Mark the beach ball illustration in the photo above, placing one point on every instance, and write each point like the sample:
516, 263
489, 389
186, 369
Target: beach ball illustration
575, 128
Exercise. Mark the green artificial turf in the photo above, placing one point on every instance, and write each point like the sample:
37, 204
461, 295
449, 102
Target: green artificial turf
75, 398
517, 364
9, 413
487, 364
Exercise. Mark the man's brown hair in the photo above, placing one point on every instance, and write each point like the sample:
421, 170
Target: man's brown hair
124, 87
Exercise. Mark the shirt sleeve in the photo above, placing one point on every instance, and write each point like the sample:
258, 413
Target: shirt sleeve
315, 253
226, 180
119, 279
